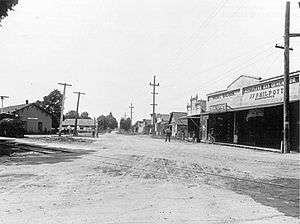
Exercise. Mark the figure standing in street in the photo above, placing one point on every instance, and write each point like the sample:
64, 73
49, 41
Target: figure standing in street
168, 133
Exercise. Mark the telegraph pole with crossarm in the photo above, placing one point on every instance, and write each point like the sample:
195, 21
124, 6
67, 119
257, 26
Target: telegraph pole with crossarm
286, 79
77, 114
154, 93
131, 107
62, 106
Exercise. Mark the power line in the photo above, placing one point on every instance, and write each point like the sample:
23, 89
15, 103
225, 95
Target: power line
243, 64
192, 52
221, 76
203, 25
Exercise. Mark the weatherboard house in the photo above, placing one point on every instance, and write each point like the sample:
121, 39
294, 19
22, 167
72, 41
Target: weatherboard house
83, 125
36, 120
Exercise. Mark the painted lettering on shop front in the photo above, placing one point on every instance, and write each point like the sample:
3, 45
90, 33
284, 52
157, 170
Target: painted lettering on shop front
269, 85
269, 92
224, 95
266, 94
218, 108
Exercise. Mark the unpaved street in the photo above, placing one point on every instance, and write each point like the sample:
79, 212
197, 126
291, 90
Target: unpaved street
138, 179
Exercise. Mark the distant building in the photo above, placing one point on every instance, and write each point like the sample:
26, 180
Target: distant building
196, 124
162, 122
178, 123
83, 125
142, 127
36, 120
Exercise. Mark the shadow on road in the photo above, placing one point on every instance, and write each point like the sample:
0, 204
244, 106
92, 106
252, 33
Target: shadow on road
284, 199
26, 154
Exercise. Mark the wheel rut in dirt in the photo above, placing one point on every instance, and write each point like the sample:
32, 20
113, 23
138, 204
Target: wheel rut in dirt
279, 193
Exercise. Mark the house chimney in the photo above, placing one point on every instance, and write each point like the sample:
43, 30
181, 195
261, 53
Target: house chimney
26, 101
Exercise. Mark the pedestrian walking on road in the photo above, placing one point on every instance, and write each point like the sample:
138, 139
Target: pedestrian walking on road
168, 134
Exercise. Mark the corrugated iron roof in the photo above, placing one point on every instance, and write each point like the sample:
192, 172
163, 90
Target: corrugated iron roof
12, 109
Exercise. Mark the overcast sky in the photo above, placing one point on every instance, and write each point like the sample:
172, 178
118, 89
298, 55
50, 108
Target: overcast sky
110, 49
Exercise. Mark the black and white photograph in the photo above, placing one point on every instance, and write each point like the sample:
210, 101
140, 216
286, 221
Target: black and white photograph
149, 112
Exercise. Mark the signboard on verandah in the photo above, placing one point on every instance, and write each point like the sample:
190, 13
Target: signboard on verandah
218, 108
270, 92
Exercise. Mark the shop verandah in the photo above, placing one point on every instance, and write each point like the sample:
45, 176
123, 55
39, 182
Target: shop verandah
260, 126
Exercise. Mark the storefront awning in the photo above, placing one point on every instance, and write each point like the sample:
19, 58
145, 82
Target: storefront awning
230, 109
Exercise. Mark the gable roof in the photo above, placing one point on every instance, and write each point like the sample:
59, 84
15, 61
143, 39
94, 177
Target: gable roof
245, 77
175, 116
16, 108
12, 109
80, 122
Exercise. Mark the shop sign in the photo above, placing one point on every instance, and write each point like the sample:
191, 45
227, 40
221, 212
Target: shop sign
218, 108
270, 92
264, 94
225, 95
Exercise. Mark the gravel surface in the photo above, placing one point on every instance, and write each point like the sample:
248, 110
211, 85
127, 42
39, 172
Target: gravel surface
137, 179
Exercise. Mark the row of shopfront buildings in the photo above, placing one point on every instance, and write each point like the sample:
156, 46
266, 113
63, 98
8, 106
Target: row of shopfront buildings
248, 112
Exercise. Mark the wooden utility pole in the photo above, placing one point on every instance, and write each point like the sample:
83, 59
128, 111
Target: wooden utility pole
96, 127
131, 107
77, 114
2, 99
154, 84
62, 106
286, 79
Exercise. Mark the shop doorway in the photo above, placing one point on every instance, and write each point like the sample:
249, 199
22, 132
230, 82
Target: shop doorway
222, 126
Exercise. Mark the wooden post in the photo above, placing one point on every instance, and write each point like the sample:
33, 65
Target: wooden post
286, 80
235, 134
131, 107
286, 95
62, 106
154, 84
77, 114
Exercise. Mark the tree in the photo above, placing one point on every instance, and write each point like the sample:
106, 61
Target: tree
71, 114
125, 124
5, 6
52, 104
85, 115
112, 122
107, 122
102, 123
11, 127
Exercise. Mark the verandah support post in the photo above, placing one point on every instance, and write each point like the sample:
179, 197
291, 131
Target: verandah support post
235, 135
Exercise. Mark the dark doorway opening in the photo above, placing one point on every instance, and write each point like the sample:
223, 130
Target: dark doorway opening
40, 127
222, 125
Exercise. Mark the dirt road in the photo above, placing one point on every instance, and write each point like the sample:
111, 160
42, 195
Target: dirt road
137, 179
